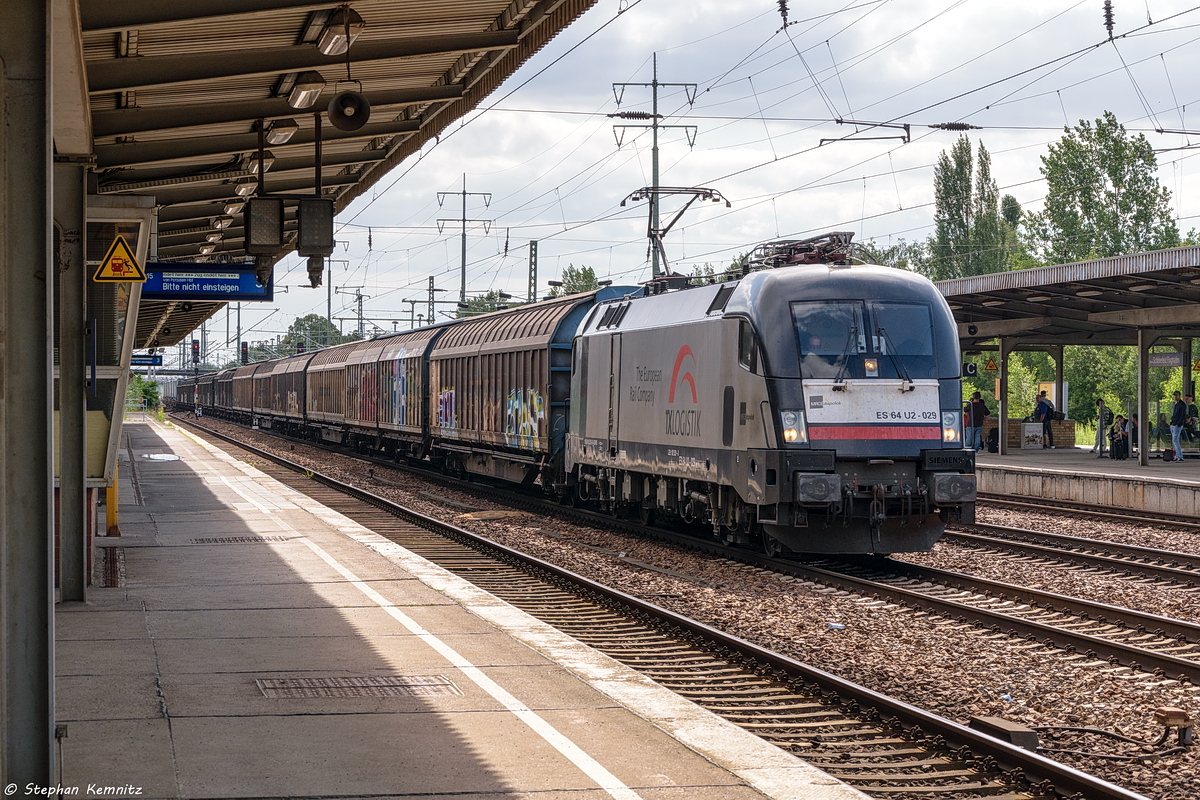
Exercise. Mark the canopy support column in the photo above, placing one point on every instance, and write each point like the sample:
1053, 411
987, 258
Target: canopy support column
1056, 353
26, 400
1145, 340
1006, 347
70, 187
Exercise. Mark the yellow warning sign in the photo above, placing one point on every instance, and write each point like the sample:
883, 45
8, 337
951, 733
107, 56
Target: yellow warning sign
1196, 366
991, 365
120, 265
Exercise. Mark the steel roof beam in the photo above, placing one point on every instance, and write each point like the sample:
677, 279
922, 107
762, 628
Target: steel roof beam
113, 15
1188, 314
125, 74
131, 153
124, 121
198, 194
135, 180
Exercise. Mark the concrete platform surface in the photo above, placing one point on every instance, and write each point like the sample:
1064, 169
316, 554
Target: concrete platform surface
262, 645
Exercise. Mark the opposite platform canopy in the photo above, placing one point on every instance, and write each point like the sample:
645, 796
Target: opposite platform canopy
175, 89
1098, 302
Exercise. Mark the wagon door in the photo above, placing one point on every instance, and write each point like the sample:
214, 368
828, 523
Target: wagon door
614, 391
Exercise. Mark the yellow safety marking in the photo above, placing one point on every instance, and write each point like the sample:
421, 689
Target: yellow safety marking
120, 265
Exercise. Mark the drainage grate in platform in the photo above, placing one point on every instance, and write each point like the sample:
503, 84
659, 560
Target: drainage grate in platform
382, 686
238, 539
113, 566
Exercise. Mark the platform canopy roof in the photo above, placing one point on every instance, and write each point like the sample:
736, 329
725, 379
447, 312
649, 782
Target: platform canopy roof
176, 89
1100, 302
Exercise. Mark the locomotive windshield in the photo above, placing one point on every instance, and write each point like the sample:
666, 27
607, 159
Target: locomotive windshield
852, 339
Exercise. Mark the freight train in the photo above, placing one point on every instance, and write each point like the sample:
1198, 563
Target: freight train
807, 404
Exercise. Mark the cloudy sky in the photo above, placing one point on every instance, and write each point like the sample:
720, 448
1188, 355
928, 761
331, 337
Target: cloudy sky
545, 150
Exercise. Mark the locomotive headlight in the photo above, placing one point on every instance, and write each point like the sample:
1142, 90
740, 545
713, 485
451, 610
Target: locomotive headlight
794, 429
871, 367
951, 426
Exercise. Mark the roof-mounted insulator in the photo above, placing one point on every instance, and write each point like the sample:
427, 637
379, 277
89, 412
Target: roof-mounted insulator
783, 9
1108, 17
955, 126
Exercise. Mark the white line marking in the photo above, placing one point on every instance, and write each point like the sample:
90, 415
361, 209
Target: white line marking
589, 766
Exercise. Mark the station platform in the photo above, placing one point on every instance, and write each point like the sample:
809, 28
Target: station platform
254, 643
1075, 474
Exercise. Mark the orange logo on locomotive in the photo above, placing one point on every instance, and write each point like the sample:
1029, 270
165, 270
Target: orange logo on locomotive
682, 422
676, 378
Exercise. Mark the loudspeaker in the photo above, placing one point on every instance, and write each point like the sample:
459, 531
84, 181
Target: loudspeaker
349, 111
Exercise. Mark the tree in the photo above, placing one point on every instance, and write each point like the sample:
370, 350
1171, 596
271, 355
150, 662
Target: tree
969, 237
142, 389
576, 280
492, 301
313, 331
913, 257
1103, 197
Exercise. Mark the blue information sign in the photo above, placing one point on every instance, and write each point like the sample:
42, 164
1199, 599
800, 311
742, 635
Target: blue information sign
211, 282
146, 361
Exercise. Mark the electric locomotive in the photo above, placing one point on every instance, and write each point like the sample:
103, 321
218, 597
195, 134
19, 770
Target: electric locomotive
810, 405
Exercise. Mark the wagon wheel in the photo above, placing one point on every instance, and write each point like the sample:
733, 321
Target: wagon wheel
645, 514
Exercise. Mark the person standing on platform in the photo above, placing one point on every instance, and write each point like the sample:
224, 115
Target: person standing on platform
1104, 418
976, 412
1045, 415
1178, 419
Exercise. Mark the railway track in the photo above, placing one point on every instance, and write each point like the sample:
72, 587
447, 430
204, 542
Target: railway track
884, 747
1167, 566
1111, 513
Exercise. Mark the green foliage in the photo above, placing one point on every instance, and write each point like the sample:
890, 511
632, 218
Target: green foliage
576, 280
913, 257
1103, 197
1010, 210
142, 389
1091, 372
488, 302
971, 236
313, 331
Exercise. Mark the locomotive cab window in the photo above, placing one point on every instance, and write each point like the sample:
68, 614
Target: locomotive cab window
832, 337
903, 337
747, 349
852, 339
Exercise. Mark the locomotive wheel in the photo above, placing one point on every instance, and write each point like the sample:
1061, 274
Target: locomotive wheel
772, 546
646, 514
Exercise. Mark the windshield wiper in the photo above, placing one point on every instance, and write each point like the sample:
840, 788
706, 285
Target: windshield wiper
891, 348
845, 358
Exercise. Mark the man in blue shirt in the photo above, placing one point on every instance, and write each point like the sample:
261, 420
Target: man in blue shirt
1178, 420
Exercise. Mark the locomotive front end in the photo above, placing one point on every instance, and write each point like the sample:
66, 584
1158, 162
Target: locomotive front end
863, 376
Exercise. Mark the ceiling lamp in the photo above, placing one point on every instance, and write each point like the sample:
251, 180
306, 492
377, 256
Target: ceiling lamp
1142, 287
205, 249
343, 27
214, 237
306, 89
992, 303
281, 130
1089, 293
250, 162
246, 187
221, 223
235, 206
1038, 298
